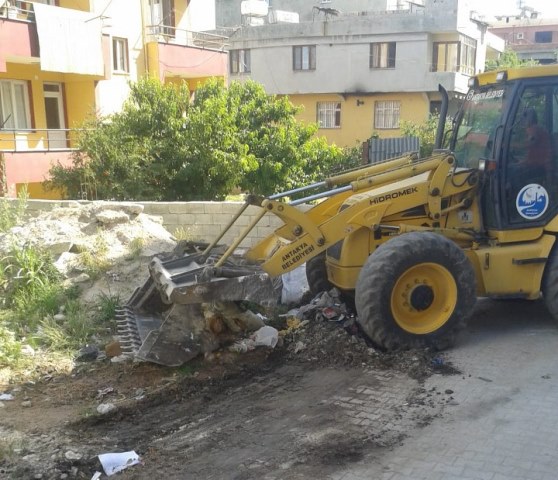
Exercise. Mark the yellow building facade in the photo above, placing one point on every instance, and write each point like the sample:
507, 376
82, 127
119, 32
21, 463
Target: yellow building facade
65, 61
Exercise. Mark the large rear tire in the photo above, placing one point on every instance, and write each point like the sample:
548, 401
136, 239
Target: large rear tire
316, 274
416, 290
550, 283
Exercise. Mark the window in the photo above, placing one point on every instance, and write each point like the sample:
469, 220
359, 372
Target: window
382, 55
519, 36
468, 55
543, 37
240, 61
328, 114
120, 55
304, 57
386, 114
455, 56
14, 104
162, 17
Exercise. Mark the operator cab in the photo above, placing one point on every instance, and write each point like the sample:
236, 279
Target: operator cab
508, 127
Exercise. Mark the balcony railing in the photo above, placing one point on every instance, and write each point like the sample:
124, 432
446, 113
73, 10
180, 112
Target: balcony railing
37, 140
17, 10
186, 38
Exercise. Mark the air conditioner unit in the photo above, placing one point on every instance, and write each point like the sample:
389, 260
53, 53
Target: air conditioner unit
519, 36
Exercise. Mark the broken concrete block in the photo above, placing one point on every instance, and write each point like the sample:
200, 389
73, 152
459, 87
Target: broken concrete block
112, 217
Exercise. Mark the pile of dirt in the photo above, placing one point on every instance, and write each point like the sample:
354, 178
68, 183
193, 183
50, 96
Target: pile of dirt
116, 238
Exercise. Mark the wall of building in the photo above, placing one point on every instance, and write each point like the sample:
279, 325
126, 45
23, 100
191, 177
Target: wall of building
200, 16
357, 119
30, 169
125, 21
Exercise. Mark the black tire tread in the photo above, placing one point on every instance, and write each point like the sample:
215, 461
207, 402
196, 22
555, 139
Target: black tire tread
386, 264
550, 283
316, 274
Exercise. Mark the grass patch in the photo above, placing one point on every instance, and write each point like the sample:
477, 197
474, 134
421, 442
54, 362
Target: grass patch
182, 234
11, 213
33, 338
94, 261
135, 247
106, 305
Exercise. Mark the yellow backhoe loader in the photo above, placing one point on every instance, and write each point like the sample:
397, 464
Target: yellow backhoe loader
413, 240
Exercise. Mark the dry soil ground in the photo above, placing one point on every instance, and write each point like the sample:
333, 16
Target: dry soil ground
263, 414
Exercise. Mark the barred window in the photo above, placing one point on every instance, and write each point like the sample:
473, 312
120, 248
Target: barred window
240, 61
304, 57
328, 114
386, 114
382, 55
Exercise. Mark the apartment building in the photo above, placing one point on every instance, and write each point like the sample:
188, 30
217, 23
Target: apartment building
359, 72
529, 35
64, 60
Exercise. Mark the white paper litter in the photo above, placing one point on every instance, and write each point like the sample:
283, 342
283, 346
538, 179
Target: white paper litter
4, 397
116, 462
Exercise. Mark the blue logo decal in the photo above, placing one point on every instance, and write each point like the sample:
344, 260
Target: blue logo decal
532, 201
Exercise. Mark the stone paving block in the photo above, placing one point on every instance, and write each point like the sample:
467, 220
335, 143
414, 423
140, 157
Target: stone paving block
478, 474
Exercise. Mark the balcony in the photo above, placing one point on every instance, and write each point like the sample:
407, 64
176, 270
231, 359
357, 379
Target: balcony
28, 155
37, 140
34, 33
18, 37
174, 52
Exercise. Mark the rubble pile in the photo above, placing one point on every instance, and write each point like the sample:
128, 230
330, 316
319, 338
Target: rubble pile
117, 235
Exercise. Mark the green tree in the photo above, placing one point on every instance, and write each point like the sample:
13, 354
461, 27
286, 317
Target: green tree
426, 132
508, 59
164, 146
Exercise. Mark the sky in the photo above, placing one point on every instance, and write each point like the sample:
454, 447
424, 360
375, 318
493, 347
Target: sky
548, 8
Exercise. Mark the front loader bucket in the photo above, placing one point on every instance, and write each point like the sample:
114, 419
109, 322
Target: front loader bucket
163, 321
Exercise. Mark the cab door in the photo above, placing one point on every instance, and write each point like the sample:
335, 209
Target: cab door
529, 166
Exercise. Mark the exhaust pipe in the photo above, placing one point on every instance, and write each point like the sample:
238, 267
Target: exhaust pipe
442, 119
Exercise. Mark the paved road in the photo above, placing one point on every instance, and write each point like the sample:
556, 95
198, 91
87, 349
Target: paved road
503, 420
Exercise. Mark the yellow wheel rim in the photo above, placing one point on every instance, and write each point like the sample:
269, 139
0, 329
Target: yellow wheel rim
423, 298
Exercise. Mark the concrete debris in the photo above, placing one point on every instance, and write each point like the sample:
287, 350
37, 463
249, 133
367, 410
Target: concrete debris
121, 359
89, 353
104, 408
28, 351
72, 456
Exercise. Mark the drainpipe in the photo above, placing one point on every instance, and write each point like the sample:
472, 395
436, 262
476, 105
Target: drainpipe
143, 38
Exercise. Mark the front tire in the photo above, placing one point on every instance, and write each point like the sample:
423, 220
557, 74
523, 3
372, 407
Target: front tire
416, 290
316, 274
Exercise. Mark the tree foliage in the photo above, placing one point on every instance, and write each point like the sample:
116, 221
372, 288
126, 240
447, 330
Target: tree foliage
166, 146
508, 59
426, 132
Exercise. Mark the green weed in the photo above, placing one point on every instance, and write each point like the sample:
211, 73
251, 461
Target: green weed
183, 234
28, 278
136, 247
106, 305
11, 212
94, 261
